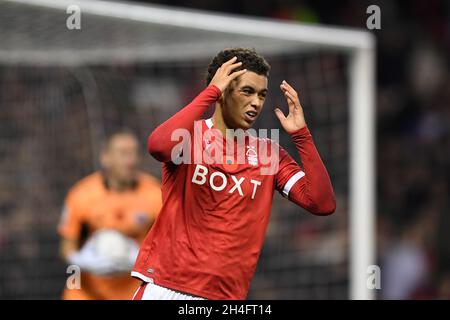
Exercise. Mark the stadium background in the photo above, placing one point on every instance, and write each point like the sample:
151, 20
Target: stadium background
38, 163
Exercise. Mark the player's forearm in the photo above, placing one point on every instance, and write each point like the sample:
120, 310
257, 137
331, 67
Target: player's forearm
68, 247
160, 144
314, 191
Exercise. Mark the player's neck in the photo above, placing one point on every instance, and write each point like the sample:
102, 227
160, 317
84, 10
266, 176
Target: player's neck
219, 123
118, 185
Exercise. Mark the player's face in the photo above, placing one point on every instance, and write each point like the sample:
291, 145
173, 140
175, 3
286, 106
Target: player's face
121, 158
243, 100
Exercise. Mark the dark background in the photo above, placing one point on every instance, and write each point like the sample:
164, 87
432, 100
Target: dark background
413, 147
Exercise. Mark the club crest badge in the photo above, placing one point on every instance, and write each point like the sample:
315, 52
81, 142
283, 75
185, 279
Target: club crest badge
252, 156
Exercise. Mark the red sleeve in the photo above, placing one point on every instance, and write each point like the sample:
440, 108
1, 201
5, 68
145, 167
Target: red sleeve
309, 187
159, 143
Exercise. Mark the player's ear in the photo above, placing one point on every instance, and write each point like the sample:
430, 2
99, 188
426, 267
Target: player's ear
221, 98
227, 91
104, 161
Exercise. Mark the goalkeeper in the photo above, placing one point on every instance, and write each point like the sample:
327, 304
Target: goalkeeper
105, 217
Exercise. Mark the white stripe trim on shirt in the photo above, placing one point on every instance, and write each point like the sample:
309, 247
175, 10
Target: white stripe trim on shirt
209, 123
141, 276
292, 181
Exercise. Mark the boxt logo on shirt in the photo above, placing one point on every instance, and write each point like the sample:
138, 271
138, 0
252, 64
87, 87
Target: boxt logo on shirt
209, 146
201, 175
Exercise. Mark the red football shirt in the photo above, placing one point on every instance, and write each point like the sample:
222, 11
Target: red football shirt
208, 236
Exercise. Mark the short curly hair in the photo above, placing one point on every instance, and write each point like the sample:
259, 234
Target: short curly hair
250, 59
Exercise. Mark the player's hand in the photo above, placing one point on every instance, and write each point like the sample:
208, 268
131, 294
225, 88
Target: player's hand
295, 120
224, 75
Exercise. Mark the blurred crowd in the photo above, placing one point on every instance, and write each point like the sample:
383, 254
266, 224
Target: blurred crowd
413, 157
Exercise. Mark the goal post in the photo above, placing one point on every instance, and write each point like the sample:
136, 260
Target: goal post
199, 35
362, 171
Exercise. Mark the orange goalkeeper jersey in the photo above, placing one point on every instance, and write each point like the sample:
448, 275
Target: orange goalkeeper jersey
90, 206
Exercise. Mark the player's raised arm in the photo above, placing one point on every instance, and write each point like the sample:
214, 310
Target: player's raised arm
159, 143
311, 187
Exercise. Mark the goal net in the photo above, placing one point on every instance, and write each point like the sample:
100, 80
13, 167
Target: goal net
62, 91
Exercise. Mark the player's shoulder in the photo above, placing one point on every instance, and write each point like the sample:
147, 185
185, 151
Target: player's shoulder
263, 140
148, 180
86, 186
269, 147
